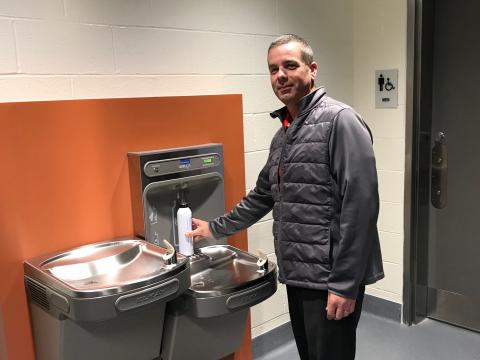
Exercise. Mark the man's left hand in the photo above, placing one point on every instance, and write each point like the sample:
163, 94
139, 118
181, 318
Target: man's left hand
339, 307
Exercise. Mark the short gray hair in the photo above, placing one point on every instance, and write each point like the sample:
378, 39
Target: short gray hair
307, 52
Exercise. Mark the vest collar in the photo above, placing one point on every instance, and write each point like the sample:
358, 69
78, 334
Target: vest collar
305, 104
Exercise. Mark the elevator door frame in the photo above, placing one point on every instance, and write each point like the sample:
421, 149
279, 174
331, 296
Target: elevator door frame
417, 99
420, 25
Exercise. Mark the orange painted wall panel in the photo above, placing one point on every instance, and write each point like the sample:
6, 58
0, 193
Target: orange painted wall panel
64, 178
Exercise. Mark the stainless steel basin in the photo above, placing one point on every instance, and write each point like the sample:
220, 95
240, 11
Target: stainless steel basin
222, 269
103, 268
92, 261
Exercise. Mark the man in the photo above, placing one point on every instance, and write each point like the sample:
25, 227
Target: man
320, 180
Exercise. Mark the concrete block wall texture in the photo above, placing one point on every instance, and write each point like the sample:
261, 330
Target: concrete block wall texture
76, 49
380, 42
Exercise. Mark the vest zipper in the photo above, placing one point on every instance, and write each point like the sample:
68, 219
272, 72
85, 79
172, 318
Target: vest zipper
280, 186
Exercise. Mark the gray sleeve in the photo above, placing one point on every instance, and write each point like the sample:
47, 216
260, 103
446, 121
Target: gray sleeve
248, 211
353, 168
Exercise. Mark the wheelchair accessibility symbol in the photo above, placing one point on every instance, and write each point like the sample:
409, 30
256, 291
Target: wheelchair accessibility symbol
388, 86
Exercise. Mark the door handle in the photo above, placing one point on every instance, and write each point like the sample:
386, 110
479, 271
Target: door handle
439, 172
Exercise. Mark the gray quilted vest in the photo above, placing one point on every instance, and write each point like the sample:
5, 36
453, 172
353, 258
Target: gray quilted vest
303, 191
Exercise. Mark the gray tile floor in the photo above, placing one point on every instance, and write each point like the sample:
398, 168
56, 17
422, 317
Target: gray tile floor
383, 339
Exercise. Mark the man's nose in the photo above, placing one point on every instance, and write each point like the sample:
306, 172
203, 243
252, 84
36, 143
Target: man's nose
282, 75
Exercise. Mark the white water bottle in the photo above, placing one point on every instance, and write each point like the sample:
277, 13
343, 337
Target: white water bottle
184, 224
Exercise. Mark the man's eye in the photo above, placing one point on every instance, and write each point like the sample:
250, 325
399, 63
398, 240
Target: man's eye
273, 71
291, 66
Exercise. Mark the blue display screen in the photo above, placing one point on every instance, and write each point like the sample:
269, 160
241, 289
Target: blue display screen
184, 161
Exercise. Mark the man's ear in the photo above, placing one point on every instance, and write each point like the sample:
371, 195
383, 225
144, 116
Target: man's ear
313, 68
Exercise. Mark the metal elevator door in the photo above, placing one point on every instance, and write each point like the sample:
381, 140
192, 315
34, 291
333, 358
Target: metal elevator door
454, 211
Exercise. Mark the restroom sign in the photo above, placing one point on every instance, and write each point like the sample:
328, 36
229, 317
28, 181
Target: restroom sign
386, 88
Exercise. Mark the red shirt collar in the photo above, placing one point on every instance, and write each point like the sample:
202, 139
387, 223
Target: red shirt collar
287, 120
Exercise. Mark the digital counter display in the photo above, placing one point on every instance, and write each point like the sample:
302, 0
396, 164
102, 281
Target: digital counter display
184, 163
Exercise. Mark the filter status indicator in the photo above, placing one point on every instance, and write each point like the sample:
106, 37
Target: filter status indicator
208, 160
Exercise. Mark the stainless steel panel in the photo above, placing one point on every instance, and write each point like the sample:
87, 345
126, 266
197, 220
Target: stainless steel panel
205, 197
103, 268
136, 194
454, 308
156, 177
187, 338
454, 240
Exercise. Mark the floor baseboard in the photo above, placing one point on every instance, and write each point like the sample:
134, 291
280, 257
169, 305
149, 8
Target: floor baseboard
269, 341
381, 307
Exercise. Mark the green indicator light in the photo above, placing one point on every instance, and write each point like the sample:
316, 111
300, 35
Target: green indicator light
207, 161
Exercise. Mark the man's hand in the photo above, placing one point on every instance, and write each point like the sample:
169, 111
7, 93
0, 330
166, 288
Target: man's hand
339, 307
200, 230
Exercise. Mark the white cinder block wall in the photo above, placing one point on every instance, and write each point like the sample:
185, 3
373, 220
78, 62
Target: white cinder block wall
75, 49
380, 42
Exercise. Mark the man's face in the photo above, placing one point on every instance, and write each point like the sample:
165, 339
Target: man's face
291, 78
